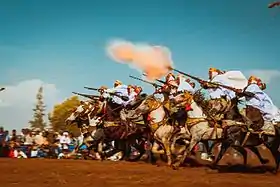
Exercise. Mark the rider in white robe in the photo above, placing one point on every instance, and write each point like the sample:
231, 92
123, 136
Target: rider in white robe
119, 89
210, 92
131, 93
185, 85
262, 101
171, 82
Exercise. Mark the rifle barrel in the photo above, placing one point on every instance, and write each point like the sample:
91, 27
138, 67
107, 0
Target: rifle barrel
163, 82
89, 88
151, 83
199, 80
86, 95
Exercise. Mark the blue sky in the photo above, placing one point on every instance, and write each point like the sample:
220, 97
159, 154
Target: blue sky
63, 41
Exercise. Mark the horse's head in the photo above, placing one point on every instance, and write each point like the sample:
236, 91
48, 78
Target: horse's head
81, 112
148, 105
184, 97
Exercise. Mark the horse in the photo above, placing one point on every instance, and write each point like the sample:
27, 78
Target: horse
83, 116
239, 138
163, 132
131, 133
197, 124
99, 123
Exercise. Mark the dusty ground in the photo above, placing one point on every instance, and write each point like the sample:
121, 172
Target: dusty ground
79, 173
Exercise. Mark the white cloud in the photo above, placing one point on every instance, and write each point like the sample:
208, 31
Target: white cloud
265, 75
17, 102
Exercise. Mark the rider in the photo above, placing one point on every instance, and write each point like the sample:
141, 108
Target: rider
218, 98
185, 85
131, 93
114, 97
257, 98
103, 94
172, 84
119, 90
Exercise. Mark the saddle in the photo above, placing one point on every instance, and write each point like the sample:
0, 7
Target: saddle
138, 100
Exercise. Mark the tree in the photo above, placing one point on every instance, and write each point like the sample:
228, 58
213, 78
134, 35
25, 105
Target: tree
39, 112
61, 112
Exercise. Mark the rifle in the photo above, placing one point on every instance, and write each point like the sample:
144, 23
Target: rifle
90, 88
151, 83
125, 98
200, 80
162, 82
87, 95
2, 89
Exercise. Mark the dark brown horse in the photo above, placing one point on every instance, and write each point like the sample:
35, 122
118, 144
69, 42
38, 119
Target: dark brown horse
110, 129
238, 137
124, 133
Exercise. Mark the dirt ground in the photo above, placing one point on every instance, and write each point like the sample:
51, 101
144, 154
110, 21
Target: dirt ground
80, 173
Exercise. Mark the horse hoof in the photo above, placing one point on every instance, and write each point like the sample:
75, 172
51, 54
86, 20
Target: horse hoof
174, 167
212, 167
274, 171
210, 170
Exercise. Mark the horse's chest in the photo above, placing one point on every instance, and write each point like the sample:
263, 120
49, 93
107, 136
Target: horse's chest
157, 115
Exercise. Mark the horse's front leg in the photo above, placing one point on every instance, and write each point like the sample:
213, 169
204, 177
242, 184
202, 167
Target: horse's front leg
187, 152
223, 149
256, 151
167, 147
101, 155
127, 149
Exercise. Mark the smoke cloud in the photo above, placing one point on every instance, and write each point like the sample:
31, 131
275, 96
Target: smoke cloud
155, 61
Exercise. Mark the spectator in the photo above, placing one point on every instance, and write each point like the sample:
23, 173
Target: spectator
2, 139
14, 136
7, 137
65, 141
2, 135
29, 138
39, 139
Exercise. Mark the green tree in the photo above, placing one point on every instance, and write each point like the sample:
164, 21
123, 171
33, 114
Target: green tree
39, 112
61, 112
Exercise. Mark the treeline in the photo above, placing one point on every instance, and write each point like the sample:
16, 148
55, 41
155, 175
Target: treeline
56, 117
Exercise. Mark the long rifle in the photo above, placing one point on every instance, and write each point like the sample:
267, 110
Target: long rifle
200, 80
125, 98
148, 82
90, 88
87, 95
162, 82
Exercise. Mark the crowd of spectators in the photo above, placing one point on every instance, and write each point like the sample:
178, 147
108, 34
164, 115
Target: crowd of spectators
34, 143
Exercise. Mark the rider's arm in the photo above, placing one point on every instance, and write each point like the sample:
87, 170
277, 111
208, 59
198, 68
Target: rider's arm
248, 94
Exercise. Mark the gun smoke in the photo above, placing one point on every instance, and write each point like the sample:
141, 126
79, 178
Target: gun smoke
155, 61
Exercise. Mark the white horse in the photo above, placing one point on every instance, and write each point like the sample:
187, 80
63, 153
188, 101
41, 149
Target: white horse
197, 123
163, 131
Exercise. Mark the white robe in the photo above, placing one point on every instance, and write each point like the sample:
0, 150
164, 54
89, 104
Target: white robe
234, 79
262, 102
185, 86
120, 90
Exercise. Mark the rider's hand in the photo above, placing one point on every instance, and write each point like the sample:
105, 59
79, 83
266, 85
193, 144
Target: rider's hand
239, 91
202, 83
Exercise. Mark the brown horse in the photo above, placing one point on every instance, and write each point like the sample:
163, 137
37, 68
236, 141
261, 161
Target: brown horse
239, 137
107, 128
